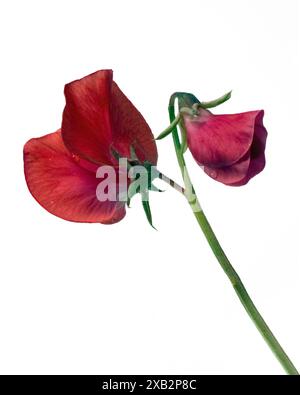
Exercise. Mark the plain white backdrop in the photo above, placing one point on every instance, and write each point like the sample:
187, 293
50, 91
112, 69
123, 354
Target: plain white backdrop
125, 299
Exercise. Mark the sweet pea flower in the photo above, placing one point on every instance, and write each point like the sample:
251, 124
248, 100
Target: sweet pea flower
230, 148
101, 128
60, 168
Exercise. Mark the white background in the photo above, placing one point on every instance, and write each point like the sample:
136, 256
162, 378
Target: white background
81, 298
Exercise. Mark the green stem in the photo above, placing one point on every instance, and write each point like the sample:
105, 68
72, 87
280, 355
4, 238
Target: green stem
222, 258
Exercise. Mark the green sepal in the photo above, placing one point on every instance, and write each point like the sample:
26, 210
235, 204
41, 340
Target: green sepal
169, 129
217, 102
146, 207
132, 190
133, 156
115, 154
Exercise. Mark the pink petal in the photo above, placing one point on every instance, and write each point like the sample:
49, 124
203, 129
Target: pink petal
257, 151
230, 174
220, 140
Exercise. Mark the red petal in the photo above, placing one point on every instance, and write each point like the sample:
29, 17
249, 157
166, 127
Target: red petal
230, 175
130, 128
98, 117
62, 186
86, 126
220, 140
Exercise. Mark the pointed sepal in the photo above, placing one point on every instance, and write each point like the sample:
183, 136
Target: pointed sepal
170, 128
217, 102
146, 207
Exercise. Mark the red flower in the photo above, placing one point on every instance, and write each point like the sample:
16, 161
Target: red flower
229, 147
60, 168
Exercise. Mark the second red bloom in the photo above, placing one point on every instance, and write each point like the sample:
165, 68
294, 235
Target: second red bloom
231, 148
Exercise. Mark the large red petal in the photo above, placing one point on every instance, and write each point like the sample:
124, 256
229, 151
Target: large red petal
130, 128
64, 187
86, 126
220, 140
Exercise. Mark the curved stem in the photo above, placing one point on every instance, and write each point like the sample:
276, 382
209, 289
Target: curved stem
223, 260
